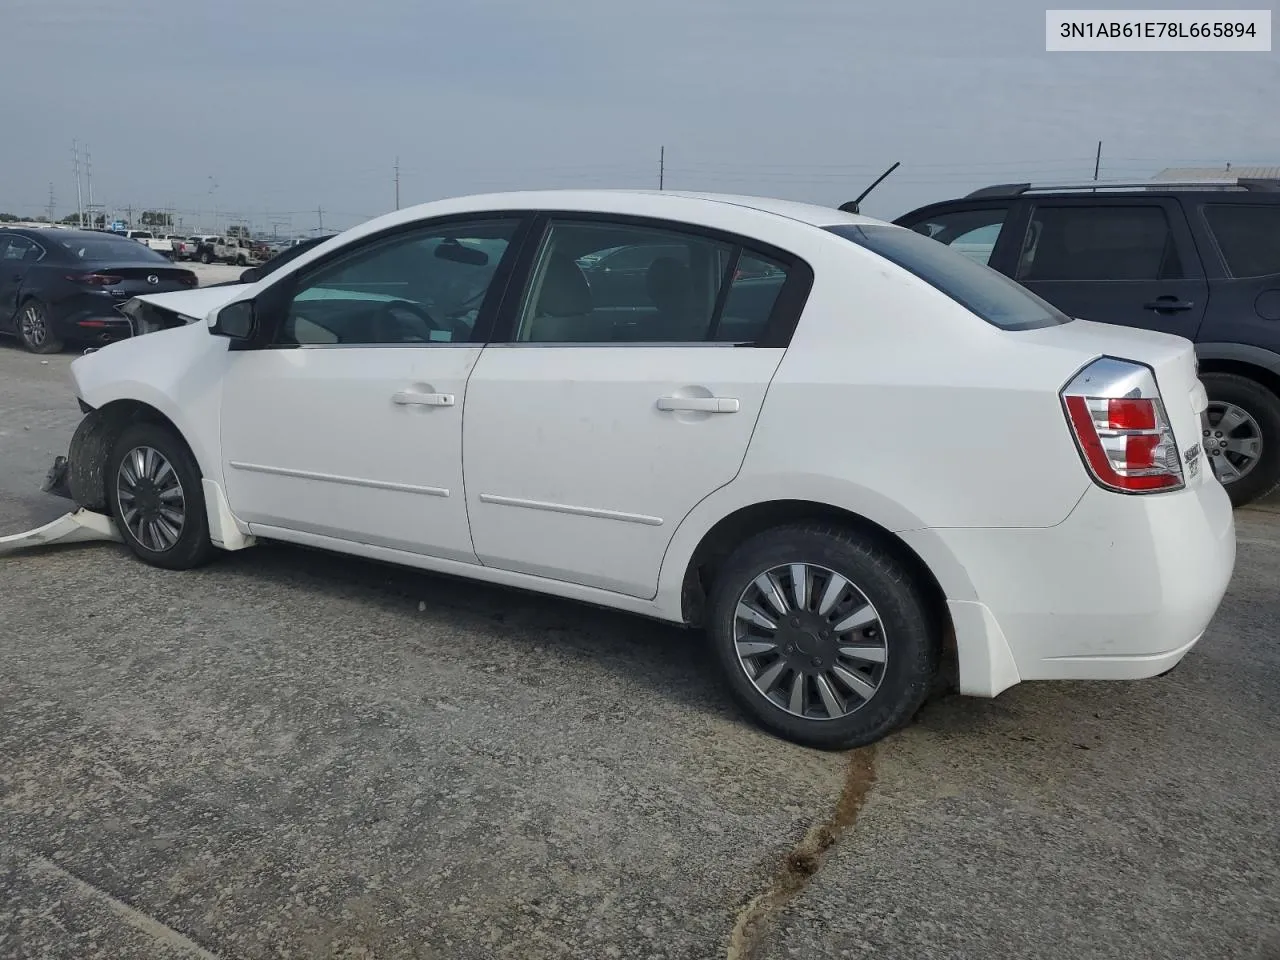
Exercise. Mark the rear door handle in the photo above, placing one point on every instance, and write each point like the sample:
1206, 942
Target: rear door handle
407, 398
1168, 303
700, 404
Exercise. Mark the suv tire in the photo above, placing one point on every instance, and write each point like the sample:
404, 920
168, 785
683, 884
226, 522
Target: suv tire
1261, 475
854, 655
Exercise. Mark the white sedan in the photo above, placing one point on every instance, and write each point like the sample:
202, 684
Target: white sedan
849, 453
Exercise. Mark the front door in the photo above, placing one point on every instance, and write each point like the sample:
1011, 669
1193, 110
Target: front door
348, 423
595, 429
1116, 260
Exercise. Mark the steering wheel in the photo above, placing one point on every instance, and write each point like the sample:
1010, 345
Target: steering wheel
390, 328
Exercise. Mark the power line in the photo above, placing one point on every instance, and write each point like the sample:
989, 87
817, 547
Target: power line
52, 206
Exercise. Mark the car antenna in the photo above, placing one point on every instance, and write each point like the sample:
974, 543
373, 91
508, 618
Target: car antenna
852, 205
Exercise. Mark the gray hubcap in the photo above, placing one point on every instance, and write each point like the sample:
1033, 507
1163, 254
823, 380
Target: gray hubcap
151, 500
810, 641
1232, 439
34, 329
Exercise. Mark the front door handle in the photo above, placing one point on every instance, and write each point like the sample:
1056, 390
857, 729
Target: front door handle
407, 398
1161, 304
700, 404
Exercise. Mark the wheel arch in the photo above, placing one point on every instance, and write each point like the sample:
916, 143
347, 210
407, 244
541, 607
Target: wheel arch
1255, 363
94, 439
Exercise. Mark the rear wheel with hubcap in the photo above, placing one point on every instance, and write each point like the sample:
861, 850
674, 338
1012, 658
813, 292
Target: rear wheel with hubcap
1241, 435
35, 329
823, 635
155, 494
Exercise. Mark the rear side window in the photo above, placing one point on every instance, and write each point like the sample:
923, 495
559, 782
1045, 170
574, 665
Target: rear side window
1248, 236
1086, 243
991, 295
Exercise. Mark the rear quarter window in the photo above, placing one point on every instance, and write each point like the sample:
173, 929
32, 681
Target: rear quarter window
983, 291
1248, 235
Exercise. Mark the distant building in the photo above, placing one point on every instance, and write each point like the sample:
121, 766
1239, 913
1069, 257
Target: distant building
1227, 171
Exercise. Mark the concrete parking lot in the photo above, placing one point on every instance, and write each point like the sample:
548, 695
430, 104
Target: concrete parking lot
289, 754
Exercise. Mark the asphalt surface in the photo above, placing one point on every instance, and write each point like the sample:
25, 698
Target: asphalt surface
290, 754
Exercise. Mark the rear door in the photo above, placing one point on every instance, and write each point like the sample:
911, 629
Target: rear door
592, 429
1241, 238
18, 255
1122, 260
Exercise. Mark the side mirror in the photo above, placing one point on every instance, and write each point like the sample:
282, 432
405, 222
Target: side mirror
252, 275
235, 320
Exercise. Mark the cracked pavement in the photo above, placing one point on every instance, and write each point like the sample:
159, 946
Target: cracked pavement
290, 754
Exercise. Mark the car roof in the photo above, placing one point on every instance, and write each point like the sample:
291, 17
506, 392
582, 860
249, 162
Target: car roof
660, 203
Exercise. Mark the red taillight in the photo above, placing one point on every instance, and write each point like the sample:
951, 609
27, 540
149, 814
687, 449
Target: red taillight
96, 279
1126, 442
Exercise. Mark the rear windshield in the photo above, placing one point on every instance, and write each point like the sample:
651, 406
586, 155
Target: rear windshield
991, 295
109, 248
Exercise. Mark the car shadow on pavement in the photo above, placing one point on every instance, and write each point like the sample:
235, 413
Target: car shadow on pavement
674, 662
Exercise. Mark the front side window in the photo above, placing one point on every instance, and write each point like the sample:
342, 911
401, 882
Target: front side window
599, 282
971, 232
1248, 236
423, 287
1084, 243
988, 294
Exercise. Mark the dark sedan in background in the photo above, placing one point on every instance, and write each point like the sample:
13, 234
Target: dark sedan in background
59, 286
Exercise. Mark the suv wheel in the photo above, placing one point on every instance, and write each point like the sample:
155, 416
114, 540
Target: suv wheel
823, 636
1241, 435
206, 257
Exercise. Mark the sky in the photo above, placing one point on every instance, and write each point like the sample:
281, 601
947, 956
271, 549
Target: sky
269, 110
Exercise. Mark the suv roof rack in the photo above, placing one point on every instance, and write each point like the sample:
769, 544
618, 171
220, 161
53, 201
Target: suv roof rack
1091, 186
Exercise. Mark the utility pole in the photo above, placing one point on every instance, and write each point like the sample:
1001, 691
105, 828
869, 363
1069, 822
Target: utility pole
88, 173
52, 206
320, 215
662, 165
397, 183
75, 168
129, 213
1097, 160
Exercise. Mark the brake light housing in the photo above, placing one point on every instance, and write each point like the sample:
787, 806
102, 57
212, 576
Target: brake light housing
96, 279
1121, 429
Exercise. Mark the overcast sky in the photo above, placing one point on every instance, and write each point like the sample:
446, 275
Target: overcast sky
276, 107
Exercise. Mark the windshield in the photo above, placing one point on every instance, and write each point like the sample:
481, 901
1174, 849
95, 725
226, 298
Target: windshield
109, 248
989, 294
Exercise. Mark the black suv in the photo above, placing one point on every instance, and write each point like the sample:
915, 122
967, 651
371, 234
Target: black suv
1200, 259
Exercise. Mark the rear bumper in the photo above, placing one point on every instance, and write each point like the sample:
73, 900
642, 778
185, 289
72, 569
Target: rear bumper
1120, 590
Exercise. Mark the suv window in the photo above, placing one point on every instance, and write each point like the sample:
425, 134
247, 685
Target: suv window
1248, 236
990, 295
676, 298
1090, 243
971, 232
427, 286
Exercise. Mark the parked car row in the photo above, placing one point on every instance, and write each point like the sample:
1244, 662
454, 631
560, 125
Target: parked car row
1199, 261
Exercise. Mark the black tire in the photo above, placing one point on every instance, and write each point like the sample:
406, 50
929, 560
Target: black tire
36, 334
909, 633
1264, 407
192, 546
206, 257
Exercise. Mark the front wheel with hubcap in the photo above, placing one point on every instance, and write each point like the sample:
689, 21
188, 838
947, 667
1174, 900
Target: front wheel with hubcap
35, 329
155, 495
823, 635
1241, 435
